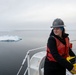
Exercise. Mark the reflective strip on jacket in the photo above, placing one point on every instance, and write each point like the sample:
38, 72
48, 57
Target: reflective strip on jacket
63, 50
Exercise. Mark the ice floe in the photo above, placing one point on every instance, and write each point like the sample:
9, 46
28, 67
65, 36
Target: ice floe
9, 38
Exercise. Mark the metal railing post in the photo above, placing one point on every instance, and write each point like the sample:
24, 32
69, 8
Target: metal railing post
28, 62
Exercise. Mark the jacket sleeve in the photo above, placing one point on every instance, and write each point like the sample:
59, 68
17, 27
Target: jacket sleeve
52, 46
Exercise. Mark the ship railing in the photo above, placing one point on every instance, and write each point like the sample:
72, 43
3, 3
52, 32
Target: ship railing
27, 59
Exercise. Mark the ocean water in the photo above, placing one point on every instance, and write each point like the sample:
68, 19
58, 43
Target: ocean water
13, 53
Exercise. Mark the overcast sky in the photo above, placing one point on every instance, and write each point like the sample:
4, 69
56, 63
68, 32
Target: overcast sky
24, 14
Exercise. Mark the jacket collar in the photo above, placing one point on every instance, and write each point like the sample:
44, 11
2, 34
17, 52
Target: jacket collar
65, 35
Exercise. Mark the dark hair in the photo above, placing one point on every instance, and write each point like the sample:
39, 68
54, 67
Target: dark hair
63, 32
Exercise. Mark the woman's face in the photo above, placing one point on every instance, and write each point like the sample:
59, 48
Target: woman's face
57, 31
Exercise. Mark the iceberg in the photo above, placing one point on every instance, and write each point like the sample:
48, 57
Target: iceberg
8, 38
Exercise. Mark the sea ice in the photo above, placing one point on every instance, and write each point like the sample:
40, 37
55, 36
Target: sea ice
8, 38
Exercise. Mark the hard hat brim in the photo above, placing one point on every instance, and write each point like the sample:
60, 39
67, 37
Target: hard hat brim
57, 26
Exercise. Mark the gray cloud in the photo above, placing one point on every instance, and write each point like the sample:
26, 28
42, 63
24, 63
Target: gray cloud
35, 13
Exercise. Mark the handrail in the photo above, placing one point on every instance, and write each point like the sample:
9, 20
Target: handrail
28, 58
25, 71
22, 64
73, 40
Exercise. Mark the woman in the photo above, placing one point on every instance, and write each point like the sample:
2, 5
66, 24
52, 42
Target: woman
58, 50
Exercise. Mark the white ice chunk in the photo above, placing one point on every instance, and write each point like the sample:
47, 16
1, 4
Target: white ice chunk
8, 38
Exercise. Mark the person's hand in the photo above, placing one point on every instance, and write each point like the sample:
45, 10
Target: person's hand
73, 70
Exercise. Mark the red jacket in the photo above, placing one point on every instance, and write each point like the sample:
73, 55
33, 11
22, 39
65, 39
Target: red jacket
63, 50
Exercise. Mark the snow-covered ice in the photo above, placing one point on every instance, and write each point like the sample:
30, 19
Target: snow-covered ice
9, 38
